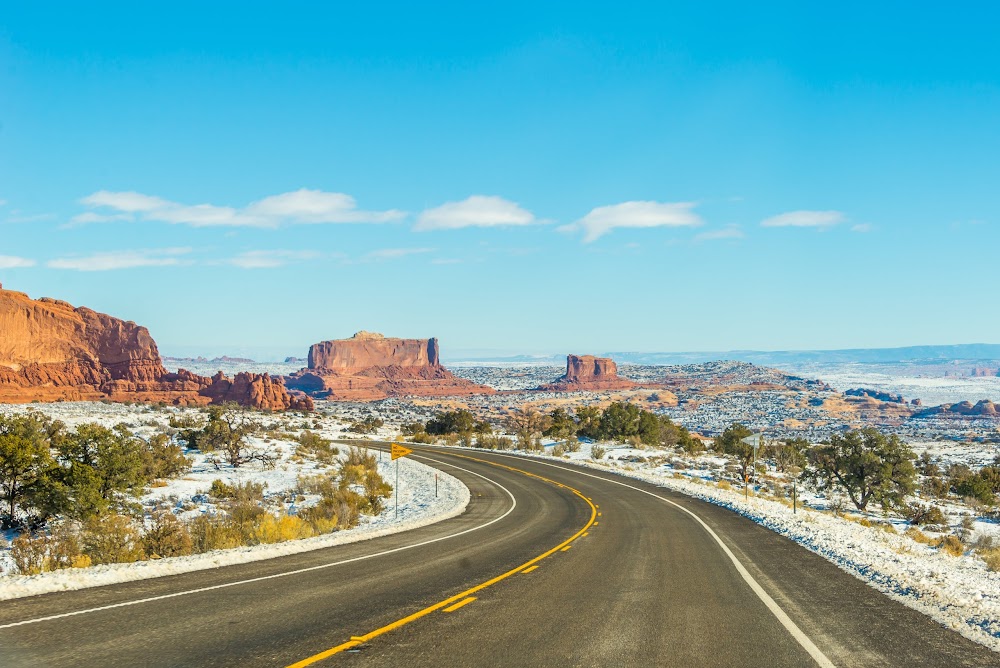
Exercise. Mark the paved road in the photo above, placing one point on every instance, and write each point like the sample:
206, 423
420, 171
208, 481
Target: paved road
641, 582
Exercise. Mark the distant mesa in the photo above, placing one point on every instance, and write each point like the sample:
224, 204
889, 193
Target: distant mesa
51, 351
587, 373
984, 408
295, 360
225, 359
370, 366
876, 394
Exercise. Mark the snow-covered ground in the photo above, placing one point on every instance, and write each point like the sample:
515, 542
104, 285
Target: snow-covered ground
907, 381
186, 497
959, 592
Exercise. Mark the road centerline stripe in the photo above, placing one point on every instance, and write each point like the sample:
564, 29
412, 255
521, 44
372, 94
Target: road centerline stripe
793, 629
462, 603
357, 640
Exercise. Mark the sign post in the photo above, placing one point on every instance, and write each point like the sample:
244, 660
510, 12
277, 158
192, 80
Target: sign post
397, 451
756, 440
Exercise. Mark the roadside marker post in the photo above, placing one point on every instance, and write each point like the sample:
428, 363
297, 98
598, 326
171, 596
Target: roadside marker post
756, 440
397, 451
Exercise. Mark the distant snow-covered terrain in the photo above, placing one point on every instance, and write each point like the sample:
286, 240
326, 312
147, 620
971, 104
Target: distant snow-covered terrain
908, 381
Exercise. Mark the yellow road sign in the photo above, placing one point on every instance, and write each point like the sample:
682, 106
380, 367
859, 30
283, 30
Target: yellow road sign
399, 451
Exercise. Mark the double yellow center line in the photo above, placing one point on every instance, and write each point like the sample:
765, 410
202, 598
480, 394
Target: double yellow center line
455, 602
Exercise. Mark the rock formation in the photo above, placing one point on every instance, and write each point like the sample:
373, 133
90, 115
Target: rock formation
984, 408
370, 366
586, 372
51, 351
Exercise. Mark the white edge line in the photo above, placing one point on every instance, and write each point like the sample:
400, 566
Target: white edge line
797, 633
274, 576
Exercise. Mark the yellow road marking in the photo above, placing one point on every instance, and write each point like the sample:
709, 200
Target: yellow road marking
585, 533
358, 640
453, 608
565, 548
531, 568
598, 514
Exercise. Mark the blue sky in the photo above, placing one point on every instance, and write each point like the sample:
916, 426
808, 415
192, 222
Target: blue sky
523, 178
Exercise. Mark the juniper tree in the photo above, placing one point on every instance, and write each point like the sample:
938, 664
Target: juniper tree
867, 464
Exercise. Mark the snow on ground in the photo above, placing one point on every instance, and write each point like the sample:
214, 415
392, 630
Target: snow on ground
418, 505
958, 592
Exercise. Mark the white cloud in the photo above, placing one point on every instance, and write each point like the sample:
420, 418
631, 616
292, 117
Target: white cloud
3, 202
270, 259
804, 219
300, 206
129, 202
394, 253
728, 232
165, 257
638, 214
14, 262
862, 227
476, 211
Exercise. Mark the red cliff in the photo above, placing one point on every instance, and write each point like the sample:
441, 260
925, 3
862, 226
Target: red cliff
370, 366
51, 351
586, 372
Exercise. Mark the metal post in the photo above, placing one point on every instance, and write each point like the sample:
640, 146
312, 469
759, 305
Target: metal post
397, 489
794, 499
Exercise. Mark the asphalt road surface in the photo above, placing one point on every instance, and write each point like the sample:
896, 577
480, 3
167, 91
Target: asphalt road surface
550, 565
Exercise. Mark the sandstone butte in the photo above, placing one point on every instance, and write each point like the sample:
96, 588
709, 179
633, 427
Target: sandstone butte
51, 351
369, 366
589, 373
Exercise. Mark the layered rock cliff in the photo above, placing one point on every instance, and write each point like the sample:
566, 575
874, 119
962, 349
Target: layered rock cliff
370, 366
586, 372
51, 351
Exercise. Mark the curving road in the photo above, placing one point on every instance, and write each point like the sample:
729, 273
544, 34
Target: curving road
550, 565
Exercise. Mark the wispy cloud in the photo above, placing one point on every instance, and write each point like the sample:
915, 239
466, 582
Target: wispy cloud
129, 259
3, 202
383, 254
14, 262
475, 211
271, 259
299, 207
727, 232
805, 219
637, 214
862, 227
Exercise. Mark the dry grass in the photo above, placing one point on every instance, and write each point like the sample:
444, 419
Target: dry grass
919, 536
951, 545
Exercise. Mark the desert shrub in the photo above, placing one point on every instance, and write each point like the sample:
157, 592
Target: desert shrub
951, 545
185, 421
28, 554
558, 450
167, 537
213, 533
723, 484
112, 539
918, 536
966, 529
494, 442
597, 453
920, 515
422, 437
314, 445
271, 529
367, 426
244, 492
573, 444
162, 458
65, 549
